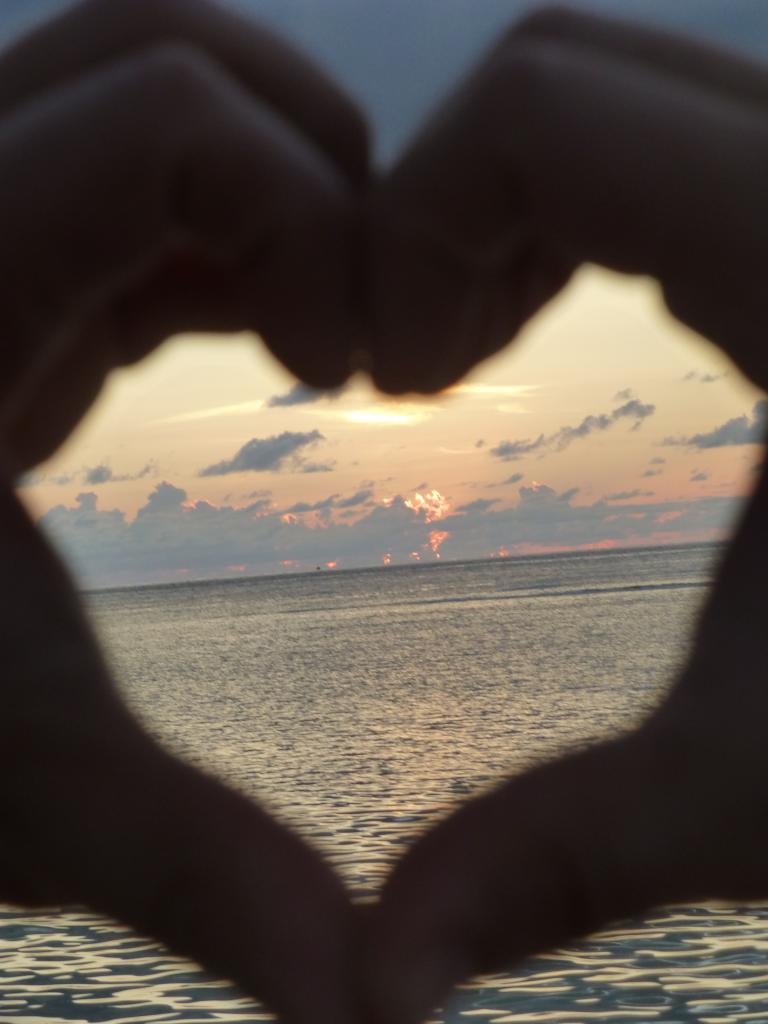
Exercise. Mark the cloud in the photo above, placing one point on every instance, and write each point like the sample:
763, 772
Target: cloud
316, 506
626, 495
479, 505
737, 431
625, 395
91, 476
261, 505
35, 479
300, 394
510, 451
98, 475
703, 378
361, 497
102, 474
632, 409
213, 412
657, 461
174, 537
651, 472
514, 479
86, 501
164, 498
271, 454
699, 476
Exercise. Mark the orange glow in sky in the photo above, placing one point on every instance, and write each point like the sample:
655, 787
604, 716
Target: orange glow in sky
436, 538
310, 479
433, 504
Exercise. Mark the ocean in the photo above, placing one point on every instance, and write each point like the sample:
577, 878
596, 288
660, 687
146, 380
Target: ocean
360, 706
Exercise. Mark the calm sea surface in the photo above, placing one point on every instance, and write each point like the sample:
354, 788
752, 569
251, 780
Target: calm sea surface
363, 704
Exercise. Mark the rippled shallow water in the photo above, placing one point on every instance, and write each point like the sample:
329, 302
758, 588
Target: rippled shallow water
360, 705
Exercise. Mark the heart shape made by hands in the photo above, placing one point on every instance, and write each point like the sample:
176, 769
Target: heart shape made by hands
208, 176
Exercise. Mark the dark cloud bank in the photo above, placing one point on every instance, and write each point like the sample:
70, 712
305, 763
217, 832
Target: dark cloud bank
172, 538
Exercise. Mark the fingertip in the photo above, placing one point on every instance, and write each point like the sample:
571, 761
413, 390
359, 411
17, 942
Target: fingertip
407, 981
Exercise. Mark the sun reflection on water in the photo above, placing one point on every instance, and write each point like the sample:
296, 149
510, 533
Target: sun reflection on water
480, 670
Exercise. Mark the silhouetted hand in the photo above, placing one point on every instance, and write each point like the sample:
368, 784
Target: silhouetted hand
211, 183
93, 811
166, 166
676, 811
578, 139
586, 139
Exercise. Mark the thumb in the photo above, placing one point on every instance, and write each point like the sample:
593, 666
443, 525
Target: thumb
553, 854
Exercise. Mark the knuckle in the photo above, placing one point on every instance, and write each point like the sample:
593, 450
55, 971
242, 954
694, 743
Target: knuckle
552, 19
167, 17
162, 12
178, 75
520, 78
134, 15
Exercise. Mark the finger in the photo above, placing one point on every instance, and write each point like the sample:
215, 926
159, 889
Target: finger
435, 311
724, 72
672, 813
158, 154
661, 52
104, 819
29, 437
179, 857
543, 859
556, 854
603, 160
723, 686
95, 33
92, 811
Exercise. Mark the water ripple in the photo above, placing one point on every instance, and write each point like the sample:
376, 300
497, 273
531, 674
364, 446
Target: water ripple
387, 701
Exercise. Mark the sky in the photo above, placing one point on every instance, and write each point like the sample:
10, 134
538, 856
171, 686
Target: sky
605, 424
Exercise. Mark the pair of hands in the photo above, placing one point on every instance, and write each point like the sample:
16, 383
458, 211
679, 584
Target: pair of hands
168, 166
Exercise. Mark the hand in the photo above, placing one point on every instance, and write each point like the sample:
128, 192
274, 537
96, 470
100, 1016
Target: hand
596, 89
585, 139
166, 166
93, 811
673, 812
660, 140
578, 139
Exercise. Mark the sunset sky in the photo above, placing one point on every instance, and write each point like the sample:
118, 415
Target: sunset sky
605, 424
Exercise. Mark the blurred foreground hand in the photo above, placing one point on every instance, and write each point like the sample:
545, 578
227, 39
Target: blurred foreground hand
579, 139
93, 812
584, 139
166, 166
674, 812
